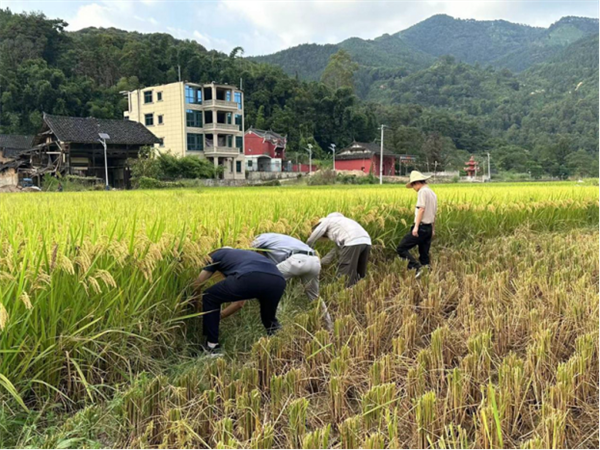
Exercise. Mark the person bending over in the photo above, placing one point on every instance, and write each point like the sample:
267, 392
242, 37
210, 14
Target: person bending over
294, 259
248, 275
352, 242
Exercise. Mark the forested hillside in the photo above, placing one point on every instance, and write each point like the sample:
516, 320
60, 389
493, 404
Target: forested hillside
498, 43
543, 120
45, 68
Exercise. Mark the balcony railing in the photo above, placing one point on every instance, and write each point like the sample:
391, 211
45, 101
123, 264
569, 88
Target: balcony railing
221, 150
221, 103
221, 126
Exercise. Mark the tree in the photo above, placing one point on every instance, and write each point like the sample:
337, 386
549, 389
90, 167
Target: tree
582, 164
436, 150
340, 71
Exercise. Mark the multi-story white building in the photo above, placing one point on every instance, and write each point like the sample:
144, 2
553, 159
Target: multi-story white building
195, 119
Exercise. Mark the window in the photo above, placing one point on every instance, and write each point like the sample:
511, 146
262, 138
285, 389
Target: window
237, 97
193, 118
239, 143
159, 96
147, 96
228, 119
250, 163
195, 142
161, 142
149, 119
229, 140
238, 121
228, 96
193, 95
160, 119
238, 166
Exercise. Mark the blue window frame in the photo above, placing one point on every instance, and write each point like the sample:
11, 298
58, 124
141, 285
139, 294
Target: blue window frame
193, 95
193, 118
237, 97
238, 121
239, 142
195, 142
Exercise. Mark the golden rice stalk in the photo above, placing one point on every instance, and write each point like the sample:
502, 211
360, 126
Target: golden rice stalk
3, 317
425, 418
375, 401
453, 437
337, 394
350, 432
263, 438
374, 441
26, 301
318, 438
248, 405
297, 421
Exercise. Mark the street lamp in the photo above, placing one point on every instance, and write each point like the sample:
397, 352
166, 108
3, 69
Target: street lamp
332, 148
381, 157
309, 149
103, 138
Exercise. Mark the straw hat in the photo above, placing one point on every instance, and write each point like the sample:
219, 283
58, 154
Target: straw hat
415, 175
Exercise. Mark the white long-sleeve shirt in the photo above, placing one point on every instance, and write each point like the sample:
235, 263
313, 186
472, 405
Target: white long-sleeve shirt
342, 231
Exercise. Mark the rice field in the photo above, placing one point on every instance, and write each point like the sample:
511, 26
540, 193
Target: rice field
497, 347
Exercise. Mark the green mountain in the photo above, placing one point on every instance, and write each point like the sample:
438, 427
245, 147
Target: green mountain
498, 43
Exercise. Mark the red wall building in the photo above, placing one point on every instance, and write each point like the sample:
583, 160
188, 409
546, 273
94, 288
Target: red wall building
365, 157
260, 142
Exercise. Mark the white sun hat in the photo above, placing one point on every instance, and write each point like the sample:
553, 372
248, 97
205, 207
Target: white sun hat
415, 175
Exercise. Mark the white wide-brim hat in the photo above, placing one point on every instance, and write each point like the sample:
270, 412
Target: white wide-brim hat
415, 175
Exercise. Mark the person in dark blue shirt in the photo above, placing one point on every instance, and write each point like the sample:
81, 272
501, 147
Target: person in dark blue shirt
248, 275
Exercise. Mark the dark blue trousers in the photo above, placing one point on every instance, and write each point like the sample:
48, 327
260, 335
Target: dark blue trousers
265, 287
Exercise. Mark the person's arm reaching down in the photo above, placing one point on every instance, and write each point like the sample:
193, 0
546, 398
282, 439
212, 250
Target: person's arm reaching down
328, 258
317, 233
232, 308
415, 231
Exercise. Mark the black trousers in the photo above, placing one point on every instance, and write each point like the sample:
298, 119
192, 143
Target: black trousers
353, 262
265, 287
423, 241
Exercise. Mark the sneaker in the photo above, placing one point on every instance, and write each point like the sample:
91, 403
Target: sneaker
212, 351
274, 328
421, 271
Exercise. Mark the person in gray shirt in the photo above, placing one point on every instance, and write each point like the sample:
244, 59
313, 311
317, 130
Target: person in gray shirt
423, 229
294, 259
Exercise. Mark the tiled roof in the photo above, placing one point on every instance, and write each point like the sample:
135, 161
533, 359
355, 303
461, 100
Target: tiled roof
84, 130
265, 134
12, 144
362, 150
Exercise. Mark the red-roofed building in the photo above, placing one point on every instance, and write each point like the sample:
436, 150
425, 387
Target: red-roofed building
365, 157
264, 150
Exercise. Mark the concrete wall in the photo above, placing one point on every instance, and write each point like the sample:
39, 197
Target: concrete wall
171, 107
265, 176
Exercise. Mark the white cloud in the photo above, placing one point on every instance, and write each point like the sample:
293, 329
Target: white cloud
286, 23
91, 15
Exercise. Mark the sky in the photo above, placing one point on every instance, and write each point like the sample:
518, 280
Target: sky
263, 27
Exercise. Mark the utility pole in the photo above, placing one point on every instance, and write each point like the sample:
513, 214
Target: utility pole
381, 157
435, 163
309, 148
103, 137
332, 148
179, 72
489, 170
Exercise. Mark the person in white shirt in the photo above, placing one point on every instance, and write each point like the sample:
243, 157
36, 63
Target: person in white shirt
294, 259
352, 242
423, 229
